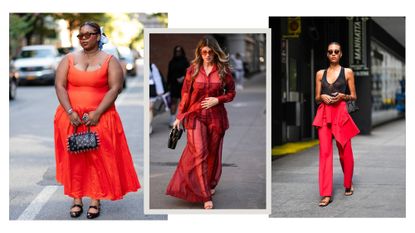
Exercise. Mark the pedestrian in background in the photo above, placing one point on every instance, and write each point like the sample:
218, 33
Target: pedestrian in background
207, 86
238, 66
332, 119
175, 76
158, 95
87, 84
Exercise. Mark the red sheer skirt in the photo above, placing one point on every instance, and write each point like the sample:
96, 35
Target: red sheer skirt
200, 165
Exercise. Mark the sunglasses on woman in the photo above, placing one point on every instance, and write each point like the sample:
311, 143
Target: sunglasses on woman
206, 52
86, 35
333, 51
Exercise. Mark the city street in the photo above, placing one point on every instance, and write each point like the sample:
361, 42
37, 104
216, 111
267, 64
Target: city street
243, 181
34, 193
379, 179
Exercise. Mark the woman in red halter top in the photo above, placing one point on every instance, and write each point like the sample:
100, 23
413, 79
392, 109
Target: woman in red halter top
87, 83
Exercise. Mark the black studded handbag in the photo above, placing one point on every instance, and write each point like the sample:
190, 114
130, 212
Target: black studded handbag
82, 141
174, 136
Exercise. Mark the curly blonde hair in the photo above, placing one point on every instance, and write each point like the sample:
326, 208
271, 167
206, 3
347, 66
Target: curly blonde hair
221, 59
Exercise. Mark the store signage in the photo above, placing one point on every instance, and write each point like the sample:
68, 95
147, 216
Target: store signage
358, 45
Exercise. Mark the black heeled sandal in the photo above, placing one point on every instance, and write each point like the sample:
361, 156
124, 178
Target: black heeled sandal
90, 215
348, 191
75, 214
325, 203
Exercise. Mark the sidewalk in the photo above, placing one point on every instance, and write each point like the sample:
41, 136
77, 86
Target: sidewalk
242, 184
379, 179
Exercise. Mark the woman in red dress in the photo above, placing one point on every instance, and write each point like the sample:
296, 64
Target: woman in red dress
207, 86
87, 84
333, 119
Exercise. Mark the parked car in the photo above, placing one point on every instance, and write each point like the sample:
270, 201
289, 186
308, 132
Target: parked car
111, 49
37, 63
65, 50
128, 56
13, 83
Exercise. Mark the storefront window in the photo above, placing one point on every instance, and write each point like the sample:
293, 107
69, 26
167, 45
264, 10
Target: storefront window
387, 72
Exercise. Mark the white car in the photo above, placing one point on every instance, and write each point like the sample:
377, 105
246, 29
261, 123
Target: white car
37, 63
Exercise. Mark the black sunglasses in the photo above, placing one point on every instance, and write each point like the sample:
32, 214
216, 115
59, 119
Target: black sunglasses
333, 51
86, 35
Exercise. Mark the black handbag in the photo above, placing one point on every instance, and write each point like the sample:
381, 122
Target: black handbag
351, 106
174, 136
82, 141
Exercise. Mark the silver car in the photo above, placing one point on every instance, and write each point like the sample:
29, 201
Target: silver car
37, 63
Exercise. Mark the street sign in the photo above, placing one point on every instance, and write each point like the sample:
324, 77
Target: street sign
358, 46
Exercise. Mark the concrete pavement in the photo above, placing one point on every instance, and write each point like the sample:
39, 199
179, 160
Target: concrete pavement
379, 179
242, 184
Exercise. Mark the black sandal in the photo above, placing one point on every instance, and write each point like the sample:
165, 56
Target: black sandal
325, 203
348, 191
75, 214
90, 215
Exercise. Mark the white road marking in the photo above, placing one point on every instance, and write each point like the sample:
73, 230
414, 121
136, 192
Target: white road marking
37, 204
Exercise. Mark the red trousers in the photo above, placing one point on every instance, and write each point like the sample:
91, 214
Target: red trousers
200, 165
326, 161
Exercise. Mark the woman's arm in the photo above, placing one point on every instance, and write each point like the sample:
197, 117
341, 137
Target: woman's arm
230, 90
61, 80
115, 83
318, 96
350, 84
184, 98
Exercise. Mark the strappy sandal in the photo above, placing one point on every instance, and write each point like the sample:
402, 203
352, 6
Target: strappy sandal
208, 205
348, 191
324, 202
75, 214
90, 215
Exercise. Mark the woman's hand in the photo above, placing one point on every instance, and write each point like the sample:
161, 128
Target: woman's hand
337, 98
176, 124
326, 99
74, 118
92, 118
209, 102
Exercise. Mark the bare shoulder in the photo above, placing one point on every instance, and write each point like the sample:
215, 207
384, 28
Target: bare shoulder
348, 73
319, 74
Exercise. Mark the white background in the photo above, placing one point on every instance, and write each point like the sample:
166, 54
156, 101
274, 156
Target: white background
212, 14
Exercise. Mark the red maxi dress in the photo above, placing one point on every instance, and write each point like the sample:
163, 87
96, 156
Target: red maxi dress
105, 173
200, 165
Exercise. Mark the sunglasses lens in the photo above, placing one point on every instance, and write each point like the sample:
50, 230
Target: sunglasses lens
204, 52
86, 35
335, 52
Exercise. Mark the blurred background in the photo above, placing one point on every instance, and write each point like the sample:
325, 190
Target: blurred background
38, 41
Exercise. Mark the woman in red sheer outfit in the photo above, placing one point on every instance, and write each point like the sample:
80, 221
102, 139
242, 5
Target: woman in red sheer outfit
87, 84
207, 86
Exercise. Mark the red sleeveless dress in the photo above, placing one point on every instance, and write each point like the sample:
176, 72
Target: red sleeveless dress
105, 173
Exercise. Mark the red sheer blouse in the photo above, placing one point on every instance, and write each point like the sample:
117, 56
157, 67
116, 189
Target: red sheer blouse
204, 86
